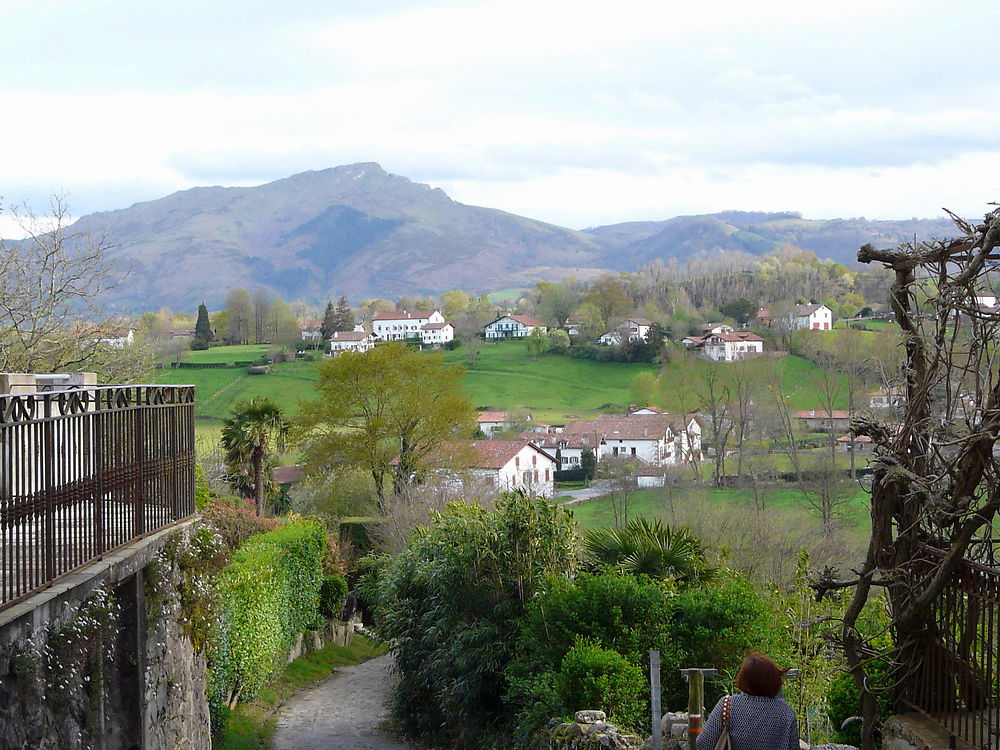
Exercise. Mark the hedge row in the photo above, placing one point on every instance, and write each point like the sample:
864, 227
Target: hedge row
269, 593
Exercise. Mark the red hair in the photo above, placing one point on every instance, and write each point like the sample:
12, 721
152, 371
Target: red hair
759, 675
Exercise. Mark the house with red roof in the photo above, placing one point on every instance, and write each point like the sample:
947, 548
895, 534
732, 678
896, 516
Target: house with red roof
731, 347
404, 324
631, 329
513, 327
507, 465
350, 341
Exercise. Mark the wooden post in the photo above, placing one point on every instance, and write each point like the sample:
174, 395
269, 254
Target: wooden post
696, 700
654, 694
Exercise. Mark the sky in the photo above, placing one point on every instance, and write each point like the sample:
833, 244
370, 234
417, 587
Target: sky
579, 113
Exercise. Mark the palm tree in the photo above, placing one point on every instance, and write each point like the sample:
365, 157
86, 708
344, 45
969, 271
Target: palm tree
249, 437
650, 548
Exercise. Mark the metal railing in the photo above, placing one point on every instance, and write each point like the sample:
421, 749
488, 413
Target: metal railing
86, 471
957, 683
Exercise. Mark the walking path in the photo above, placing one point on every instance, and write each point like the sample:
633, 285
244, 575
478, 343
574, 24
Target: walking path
596, 489
344, 712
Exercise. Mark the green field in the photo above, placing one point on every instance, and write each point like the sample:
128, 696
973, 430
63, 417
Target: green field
554, 388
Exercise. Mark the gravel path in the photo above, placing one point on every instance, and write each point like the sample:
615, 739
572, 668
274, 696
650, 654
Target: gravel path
341, 713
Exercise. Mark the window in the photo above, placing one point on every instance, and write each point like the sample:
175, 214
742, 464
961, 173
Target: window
536, 475
633, 451
534, 460
517, 462
546, 475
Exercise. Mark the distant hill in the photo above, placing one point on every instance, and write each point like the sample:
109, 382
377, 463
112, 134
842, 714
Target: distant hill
360, 231
353, 230
636, 243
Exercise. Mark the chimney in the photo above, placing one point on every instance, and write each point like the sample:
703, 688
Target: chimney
632, 408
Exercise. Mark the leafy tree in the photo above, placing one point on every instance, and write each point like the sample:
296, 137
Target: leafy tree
329, 325
610, 297
240, 314
203, 327
588, 463
538, 342
741, 310
556, 302
387, 403
249, 439
452, 601
343, 316
559, 342
643, 388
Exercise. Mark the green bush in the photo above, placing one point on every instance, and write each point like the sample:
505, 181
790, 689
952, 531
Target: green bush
597, 678
332, 593
268, 592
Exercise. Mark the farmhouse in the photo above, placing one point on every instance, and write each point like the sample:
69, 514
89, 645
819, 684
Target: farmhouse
715, 328
436, 334
821, 419
631, 329
567, 447
350, 341
115, 338
513, 327
398, 326
813, 317
494, 421
654, 439
573, 325
885, 398
730, 347
505, 464
857, 444
311, 330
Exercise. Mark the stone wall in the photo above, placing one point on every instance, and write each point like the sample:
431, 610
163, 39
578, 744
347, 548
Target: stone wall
94, 663
590, 730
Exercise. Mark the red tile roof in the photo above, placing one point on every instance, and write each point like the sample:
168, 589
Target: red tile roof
492, 416
435, 326
486, 454
526, 320
554, 440
404, 315
736, 336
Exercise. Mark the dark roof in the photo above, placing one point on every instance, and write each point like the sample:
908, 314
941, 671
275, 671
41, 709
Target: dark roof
435, 326
807, 309
736, 336
349, 336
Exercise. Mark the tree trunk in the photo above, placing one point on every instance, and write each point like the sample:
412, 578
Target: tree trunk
258, 481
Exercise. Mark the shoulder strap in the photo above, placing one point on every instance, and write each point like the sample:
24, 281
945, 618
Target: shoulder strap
723, 743
725, 711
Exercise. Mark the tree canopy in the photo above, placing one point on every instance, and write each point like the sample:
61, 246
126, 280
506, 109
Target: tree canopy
387, 403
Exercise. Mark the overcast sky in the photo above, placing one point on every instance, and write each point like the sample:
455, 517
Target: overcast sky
579, 113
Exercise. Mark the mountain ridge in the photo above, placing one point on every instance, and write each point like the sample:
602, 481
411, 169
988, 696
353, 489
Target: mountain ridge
361, 231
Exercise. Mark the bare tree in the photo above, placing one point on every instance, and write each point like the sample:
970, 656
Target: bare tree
713, 403
936, 482
50, 319
620, 473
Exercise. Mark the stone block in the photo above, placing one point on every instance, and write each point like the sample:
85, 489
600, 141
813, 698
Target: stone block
589, 717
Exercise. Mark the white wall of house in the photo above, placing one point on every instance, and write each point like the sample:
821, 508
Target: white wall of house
528, 470
438, 335
630, 330
348, 341
508, 328
403, 326
720, 350
820, 319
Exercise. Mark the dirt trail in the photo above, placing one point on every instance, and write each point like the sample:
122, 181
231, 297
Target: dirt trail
343, 712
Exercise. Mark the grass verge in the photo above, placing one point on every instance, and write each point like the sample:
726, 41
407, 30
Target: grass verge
251, 725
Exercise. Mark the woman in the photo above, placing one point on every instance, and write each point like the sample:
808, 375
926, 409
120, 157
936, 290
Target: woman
758, 718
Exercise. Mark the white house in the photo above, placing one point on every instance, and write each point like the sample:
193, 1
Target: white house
631, 329
715, 328
573, 325
648, 410
506, 464
436, 334
885, 398
493, 421
567, 447
654, 439
350, 341
398, 326
730, 347
115, 338
311, 330
813, 317
513, 327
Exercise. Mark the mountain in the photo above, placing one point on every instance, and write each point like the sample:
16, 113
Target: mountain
353, 230
360, 231
685, 237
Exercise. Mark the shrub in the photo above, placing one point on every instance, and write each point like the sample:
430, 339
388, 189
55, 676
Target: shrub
598, 678
332, 593
236, 524
268, 592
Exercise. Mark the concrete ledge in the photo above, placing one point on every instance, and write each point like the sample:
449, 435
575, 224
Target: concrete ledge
40, 609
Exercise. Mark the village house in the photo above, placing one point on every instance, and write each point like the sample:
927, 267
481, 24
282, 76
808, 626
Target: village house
654, 439
513, 327
813, 317
715, 328
507, 465
491, 422
647, 410
407, 324
762, 319
859, 444
437, 334
885, 398
631, 329
567, 447
350, 341
573, 325
311, 331
821, 419
115, 338
731, 347
693, 342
